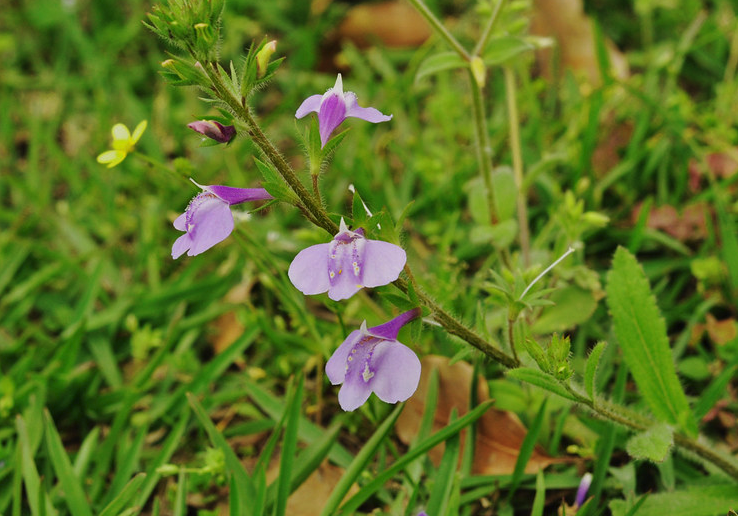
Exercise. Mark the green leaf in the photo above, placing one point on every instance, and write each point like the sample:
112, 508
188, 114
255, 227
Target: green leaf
641, 333
444, 478
696, 501
573, 306
274, 184
438, 63
590, 369
539, 500
74, 495
714, 392
540, 379
289, 447
526, 449
654, 444
503, 48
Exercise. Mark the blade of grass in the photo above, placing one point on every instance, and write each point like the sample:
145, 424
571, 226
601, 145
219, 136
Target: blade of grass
360, 462
444, 478
74, 496
233, 463
539, 501
289, 447
126, 494
38, 500
526, 449
442, 435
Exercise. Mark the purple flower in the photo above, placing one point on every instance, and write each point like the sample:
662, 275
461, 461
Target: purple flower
335, 106
346, 264
582, 490
372, 360
214, 130
208, 218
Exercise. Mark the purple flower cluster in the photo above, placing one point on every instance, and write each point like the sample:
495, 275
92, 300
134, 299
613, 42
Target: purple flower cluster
370, 359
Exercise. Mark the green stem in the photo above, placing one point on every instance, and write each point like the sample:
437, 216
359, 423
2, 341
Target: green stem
482, 43
512, 111
483, 146
160, 166
440, 29
275, 158
316, 214
638, 423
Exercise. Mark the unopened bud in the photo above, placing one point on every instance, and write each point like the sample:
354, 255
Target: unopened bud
214, 130
479, 71
263, 57
596, 219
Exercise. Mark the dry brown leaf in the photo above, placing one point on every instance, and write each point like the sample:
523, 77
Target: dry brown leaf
499, 433
690, 225
394, 23
721, 332
722, 164
228, 328
311, 496
565, 21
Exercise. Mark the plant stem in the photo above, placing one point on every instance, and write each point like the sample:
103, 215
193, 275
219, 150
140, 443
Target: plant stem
482, 43
514, 121
316, 214
638, 423
440, 29
482, 144
160, 166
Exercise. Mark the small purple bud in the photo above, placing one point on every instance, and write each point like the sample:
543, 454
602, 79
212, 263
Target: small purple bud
582, 490
214, 130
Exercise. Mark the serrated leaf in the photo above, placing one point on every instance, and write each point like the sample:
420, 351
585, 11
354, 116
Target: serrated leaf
540, 379
654, 444
503, 48
590, 369
703, 500
438, 63
641, 333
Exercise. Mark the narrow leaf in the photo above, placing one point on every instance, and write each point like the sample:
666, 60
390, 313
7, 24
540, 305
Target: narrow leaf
444, 478
126, 495
526, 449
74, 495
289, 447
590, 369
542, 380
641, 333
697, 501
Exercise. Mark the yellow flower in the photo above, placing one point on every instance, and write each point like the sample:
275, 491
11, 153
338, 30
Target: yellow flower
123, 143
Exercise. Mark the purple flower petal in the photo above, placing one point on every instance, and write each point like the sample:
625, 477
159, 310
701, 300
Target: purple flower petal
182, 244
365, 362
210, 222
180, 222
308, 272
369, 114
332, 113
233, 195
309, 105
336, 366
582, 489
390, 329
396, 371
383, 263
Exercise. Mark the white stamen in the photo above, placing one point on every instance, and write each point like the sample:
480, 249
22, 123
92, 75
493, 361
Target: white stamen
554, 264
367, 374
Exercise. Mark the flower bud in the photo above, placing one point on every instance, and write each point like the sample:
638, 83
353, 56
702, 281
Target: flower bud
596, 219
263, 57
214, 130
479, 71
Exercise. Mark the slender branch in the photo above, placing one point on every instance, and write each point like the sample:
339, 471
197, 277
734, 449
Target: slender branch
482, 43
441, 29
482, 144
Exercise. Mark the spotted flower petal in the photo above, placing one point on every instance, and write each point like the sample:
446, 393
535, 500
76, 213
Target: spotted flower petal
346, 264
334, 107
372, 360
208, 219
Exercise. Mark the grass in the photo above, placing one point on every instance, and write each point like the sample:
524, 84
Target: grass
116, 394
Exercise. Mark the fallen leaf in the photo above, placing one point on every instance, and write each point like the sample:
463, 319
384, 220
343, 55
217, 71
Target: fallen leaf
690, 225
565, 21
722, 164
394, 24
499, 433
227, 328
721, 332
615, 137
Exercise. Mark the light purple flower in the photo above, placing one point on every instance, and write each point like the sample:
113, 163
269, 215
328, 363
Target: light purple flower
372, 360
208, 218
335, 106
346, 264
582, 490
214, 130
